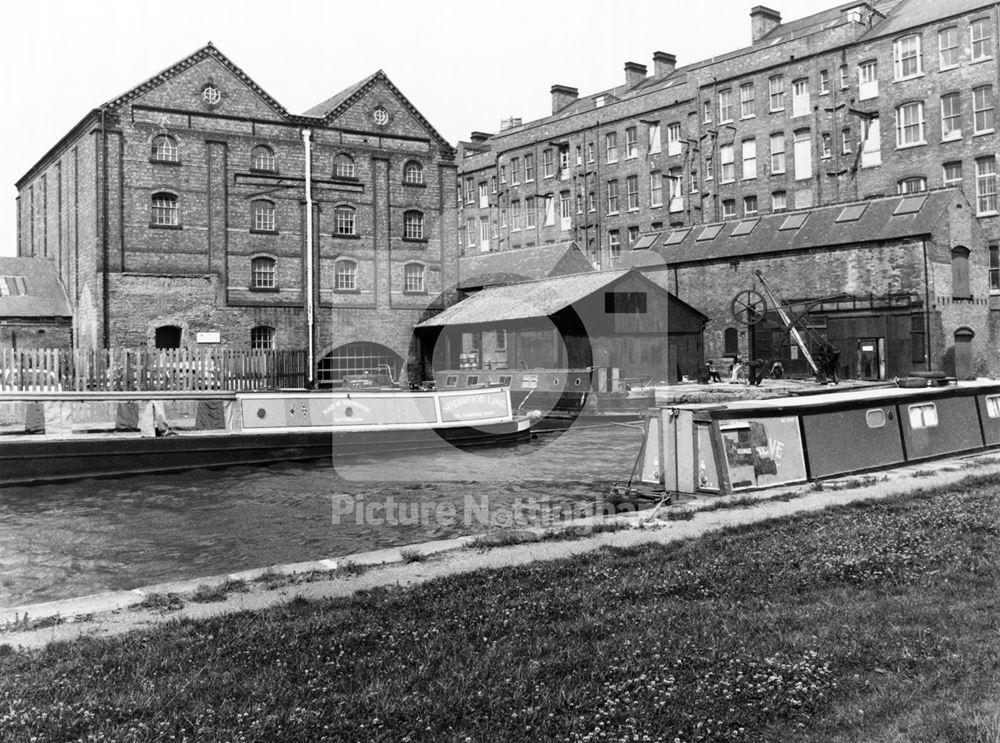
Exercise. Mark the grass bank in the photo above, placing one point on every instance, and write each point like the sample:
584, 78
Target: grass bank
873, 622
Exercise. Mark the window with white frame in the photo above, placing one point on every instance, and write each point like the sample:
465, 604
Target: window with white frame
948, 53
729, 208
802, 154
262, 273
776, 92
951, 116
986, 185
632, 192
826, 145
516, 219
906, 57
994, 277
262, 338
779, 201
550, 211
530, 217
979, 36
579, 155
529, 168
631, 142
164, 211
725, 106
674, 138
778, 152
564, 162
591, 148
493, 183
613, 197
344, 220
343, 166
565, 205
413, 173
916, 184
484, 195
910, 124
656, 188
470, 232
614, 246
824, 82
654, 137
413, 278
871, 142
345, 276
923, 415
633, 234
845, 77
413, 225
164, 149
845, 141
470, 191
748, 149
800, 97
262, 158
952, 174
503, 175
747, 106
503, 217
548, 164
611, 147
591, 202
868, 80
675, 182
515, 171
263, 215
484, 233
750, 206
579, 203
494, 229
726, 160
706, 112
982, 109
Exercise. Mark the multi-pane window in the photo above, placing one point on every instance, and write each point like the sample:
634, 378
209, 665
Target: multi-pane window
656, 188
470, 232
776, 92
911, 185
343, 166
262, 158
262, 338
413, 277
611, 147
503, 175
529, 168
675, 182
845, 142
614, 245
591, 202
674, 138
706, 112
565, 205
779, 201
484, 232
910, 124
749, 206
725, 106
951, 116
470, 191
800, 97
728, 208
631, 142
868, 80
165, 149
654, 137
728, 165
344, 222
613, 197
484, 196
550, 211
164, 211
948, 47
778, 152
952, 174
982, 109
979, 35
516, 218
548, 164
986, 185
590, 152
994, 269
345, 276
413, 225
564, 162
515, 170
262, 273
748, 149
413, 172
871, 142
530, 217
263, 216
906, 59
802, 154
826, 145
824, 82
845, 77
632, 192
747, 101
579, 203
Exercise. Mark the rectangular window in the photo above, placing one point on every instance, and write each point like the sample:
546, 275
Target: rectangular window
906, 59
725, 106
654, 138
674, 139
749, 206
802, 153
631, 143
910, 124
979, 35
953, 175
470, 232
656, 188
923, 415
632, 192
484, 231
565, 210
845, 77
516, 218
548, 164
614, 246
612, 197
590, 152
845, 141
951, 116
263, 216
871, 147
824, 82
826, 145
729, 208
515, 170
948, 47
503, 175
993, 406
579, 155
591, 202
470, 191
564, 162
982, 109
778, 152
747, 101
779, 201
748, 148
986, 185
500, 344
413, 278
676, 184
550, 211
579, 203
611, 147
726, 155
529, 168
706, 112
625, 302
868, 80
994, 268
800, 97
776, 92
344, 220
484, 196
530, 217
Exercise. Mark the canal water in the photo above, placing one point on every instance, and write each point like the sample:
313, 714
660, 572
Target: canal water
72, 539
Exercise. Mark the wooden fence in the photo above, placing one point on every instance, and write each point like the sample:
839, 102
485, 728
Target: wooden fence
130, 369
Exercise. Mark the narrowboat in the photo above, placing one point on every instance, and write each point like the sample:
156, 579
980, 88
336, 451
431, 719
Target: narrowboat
701, 449
46, 436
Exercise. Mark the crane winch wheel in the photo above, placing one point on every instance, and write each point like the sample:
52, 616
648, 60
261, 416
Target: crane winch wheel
748, 307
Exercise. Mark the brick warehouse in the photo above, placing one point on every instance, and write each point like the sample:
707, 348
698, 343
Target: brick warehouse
858, 102
180, 208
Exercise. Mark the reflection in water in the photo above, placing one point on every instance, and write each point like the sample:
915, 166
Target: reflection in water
73, 539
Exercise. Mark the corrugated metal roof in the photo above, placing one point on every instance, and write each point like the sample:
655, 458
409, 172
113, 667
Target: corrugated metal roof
526, 301
31, 288
881, 220
510, 266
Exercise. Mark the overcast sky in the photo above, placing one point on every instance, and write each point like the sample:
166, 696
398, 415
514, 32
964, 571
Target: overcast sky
464, 65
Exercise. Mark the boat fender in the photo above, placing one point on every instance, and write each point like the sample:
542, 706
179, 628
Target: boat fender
534, 415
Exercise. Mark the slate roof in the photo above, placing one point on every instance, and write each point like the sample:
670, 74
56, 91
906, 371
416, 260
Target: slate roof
880, 220
320, 110
525, 301
509, 266
911, 13
31, 288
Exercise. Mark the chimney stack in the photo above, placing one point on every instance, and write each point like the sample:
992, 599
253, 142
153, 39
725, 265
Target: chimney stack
663, 64
762, 22
635, 73
562, 96
479, 137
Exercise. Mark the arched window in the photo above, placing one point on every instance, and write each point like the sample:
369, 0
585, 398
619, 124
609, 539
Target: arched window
262, 338
344, 222
345, 276
960, 288
911, 185
413, 278
164, 210
343, 166
168, 336
263, 216
262, 273
165, 149
413, 172
262, 158
731, 342
963, 352
413, 225
357, 358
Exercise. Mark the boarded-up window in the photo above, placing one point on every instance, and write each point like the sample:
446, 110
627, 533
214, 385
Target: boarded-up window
960, 273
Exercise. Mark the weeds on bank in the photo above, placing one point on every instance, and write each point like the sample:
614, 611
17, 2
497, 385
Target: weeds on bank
206, 593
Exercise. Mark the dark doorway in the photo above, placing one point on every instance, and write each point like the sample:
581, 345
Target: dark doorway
168, 336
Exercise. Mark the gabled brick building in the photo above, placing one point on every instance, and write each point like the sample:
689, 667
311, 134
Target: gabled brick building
195, 203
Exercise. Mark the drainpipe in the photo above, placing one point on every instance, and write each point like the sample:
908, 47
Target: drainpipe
310, 280
105, 310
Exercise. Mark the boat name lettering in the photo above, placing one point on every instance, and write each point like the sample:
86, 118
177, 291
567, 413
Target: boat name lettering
490, 400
